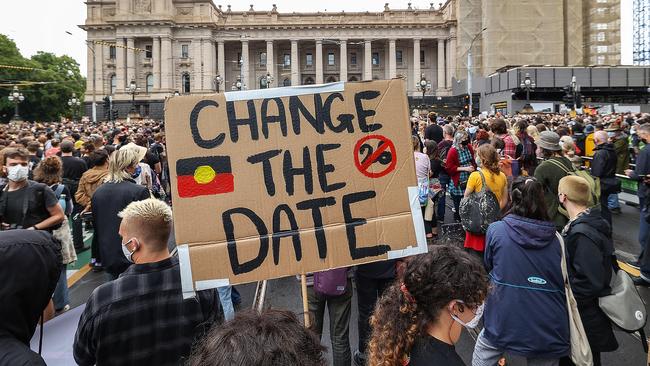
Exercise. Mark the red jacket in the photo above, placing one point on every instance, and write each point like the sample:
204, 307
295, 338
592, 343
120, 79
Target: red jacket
453, 163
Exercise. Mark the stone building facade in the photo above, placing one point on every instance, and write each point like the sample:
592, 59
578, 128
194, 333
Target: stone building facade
185, 46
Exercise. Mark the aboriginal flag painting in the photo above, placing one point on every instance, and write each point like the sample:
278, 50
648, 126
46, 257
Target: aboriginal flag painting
204, 176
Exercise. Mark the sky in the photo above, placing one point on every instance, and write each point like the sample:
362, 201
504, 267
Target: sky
41, 25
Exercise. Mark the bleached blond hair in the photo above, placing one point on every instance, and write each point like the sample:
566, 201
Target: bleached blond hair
149, 220
119, 161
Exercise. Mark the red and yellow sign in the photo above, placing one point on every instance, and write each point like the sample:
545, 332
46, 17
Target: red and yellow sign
204, 176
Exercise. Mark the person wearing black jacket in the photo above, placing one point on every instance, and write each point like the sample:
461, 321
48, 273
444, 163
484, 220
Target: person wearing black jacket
640, 174
30, 264
433, 132
112, 197
603, 166
590, 262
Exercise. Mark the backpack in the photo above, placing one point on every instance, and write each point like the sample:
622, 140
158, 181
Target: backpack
332, 282
479, 209
594, 184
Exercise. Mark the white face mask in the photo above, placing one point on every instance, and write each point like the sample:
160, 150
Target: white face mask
127, 253
17, 173
472, 323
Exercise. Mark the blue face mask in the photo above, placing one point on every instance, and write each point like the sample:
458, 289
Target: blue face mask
138, 171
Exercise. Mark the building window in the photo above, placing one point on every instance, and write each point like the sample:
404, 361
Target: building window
399, 57
375, 59
601, 37
148, 51
330, 58
601, 49
149, 83
353, 58
286, 82
331, 79
262, 58
601, 11
601, 26
185, 51
186, 83
111, 52
287, 60
421, 56
353, 78
113, 84
145, 110
308, 81
600, 60
309, 59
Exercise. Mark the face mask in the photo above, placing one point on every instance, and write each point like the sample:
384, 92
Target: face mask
127, 253
478, 160
472, 323
473, 129
137, 172
17, 173
465, 142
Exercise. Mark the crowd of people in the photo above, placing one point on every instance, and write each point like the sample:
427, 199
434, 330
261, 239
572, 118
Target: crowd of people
552, 179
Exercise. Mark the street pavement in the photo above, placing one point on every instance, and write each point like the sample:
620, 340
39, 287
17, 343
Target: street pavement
284, 293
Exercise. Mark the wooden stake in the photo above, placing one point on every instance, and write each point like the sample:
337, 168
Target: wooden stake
305, 301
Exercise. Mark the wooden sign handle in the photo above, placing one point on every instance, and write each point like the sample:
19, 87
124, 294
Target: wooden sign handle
305, 301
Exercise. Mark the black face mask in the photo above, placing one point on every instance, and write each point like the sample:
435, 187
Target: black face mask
465, 142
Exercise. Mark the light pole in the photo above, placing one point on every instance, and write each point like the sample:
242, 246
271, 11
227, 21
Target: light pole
133, 90
16, 97
424, 86
238, 84
469, 71
575, 90
74, 103
527, 84
269, 79
217, 82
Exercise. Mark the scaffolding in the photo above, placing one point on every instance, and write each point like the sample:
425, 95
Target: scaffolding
641, 40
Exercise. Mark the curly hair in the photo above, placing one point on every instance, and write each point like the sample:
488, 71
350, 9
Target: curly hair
430, 282
49, 170
489, 158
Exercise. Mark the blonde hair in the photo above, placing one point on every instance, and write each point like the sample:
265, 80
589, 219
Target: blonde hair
532, 132
150, 220
568, 146
576, 189
120, 160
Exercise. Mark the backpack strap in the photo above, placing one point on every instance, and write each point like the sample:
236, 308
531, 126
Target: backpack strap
484, 186
59, 190
560, 165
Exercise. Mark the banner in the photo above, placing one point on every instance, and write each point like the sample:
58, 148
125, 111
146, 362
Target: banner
275, 182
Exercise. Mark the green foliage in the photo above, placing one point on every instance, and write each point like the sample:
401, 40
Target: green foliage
45, 102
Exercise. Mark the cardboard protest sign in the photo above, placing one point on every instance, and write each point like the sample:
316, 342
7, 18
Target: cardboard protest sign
276, 182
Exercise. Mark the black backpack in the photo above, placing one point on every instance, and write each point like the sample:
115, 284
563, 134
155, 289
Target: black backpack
479, 209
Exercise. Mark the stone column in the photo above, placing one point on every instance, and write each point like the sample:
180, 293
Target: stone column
90, 57
451, 60
166, 63
245, 77
416, 62
392, 58
120, 65
130, 61
99, 69
221, 64
295, 63
343, 57
208, 64
156, 63
196, 82
441, 64
319, 61
270, 62
367, 60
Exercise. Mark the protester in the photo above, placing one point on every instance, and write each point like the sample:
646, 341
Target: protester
603, 166
270, 338
112, 197
141, 317
332, 289
26, 204
92, 178
523, 256
460, 163
420, 317
50, 171
433, 131
641, 174
487, 162
620, 141
73, 169
436, 189
443, 151
422, 172
590, 261
549, 173
30, 265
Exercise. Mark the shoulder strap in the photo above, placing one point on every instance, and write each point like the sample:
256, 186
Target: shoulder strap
560, 165
59, 190
484, 186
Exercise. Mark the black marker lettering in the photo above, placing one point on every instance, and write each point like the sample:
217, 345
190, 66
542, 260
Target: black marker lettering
194, 126
280, 118
345, 119
229, 228
322, 168
297, 108
352, 222
265, 158
235, 122
278, 233
315, 205
362, 114
290, 172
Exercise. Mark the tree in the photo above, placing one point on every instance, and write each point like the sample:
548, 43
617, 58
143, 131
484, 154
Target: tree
43, 102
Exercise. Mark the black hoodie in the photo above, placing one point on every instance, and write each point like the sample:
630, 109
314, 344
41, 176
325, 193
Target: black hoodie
603, 166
